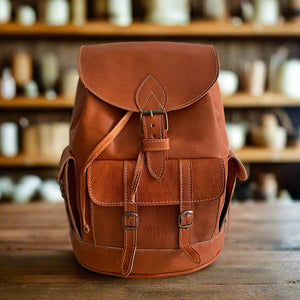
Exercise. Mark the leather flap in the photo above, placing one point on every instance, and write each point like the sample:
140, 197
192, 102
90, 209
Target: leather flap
106, 182
176, 74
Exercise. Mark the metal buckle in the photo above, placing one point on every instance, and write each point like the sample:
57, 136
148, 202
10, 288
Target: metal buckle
130, 214
152, 112
184, 213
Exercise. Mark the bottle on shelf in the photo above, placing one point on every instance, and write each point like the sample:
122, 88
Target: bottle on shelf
79, 11
5, 11
57, 12
120, 12
9, 138
26, 15
22, 68
7, 85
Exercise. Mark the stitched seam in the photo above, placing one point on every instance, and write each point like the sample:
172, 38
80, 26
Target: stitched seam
147, 250
156, 141
181, 198
125, 208
157, 176
160, 148
93, 221
158, 203
206, 90
164, 202
130, 108
141, 86
147, 100
136, 178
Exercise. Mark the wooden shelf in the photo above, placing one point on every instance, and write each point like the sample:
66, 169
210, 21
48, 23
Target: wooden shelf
37, 103
195, 28
266, 155
28, 161
267, 100
236, 101
247, 155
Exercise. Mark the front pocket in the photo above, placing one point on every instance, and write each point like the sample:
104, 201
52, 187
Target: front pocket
158, 201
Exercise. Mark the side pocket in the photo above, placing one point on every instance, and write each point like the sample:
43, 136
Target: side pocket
235, 170
68, 186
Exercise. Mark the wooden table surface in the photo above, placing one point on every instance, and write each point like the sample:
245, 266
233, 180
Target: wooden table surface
260, 260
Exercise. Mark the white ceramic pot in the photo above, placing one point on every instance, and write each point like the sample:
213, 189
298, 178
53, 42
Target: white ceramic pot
9, 139
57, 12
26, 188
288, 78
5, 11
69, 83
26, 15
272, 137
236, 133
228, 82
7, 85
120, 12
266, 12
168, 12
50, 191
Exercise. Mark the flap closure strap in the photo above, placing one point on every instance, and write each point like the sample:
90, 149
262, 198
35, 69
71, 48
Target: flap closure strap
151, 98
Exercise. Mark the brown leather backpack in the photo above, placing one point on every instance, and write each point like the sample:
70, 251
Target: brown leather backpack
148, 175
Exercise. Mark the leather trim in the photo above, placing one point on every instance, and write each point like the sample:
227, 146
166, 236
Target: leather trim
148, 261
97, 64
94, 184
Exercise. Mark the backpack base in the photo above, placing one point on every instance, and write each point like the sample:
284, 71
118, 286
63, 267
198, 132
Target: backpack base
148, 263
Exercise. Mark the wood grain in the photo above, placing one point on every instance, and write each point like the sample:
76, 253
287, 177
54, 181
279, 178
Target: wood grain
260, 259
196, 28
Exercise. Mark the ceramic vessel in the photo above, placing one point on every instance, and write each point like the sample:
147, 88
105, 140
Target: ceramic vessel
22, 68
120, 12
269, 187
254, 77
215, 9
7, 85
79, 11
49, 74
26, 188
50, 191
9, 139
228, 82
5, 11
57, 12
288, 78
31, 89
168, 12
26, 15
236, 133
69, 83
266, 12
270, 134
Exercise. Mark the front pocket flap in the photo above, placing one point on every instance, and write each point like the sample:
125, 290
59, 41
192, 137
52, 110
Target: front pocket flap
106, 182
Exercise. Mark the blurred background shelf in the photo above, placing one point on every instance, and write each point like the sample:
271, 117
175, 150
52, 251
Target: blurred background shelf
238, 100
29, 161
194, 29
267, 100
264, 155
247, 155
36, 103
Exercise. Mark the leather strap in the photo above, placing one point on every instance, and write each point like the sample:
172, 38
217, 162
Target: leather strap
102, 145
130, 216
156, 144
155, 133
185, 219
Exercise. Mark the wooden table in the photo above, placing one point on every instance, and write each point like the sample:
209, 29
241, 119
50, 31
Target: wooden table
260, 260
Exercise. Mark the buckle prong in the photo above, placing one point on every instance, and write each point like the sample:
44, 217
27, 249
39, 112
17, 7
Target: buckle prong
153, 112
